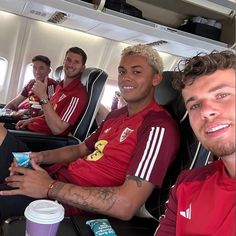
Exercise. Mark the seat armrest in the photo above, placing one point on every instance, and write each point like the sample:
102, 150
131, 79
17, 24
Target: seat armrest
135, 227
39, 142
17, 225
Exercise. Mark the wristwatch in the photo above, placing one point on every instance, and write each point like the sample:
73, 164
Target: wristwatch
43, 101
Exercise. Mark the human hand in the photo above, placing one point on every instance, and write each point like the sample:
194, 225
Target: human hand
37, 157
21, 124
40, 88
13, 164
30, 182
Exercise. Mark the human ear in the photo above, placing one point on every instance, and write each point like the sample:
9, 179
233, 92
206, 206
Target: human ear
156, 79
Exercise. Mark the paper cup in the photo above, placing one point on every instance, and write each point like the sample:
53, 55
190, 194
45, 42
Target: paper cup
43, 218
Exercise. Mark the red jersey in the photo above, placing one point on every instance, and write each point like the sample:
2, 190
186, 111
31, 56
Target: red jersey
26, 92
69, 103
134, 145
203, 202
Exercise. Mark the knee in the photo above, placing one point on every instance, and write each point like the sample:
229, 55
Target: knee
3, 133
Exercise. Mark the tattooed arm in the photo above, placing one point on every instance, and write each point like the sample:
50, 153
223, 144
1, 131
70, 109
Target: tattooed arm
120, 202
61, 155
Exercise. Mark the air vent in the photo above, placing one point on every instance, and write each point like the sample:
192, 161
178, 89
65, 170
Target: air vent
157, 43
58, 17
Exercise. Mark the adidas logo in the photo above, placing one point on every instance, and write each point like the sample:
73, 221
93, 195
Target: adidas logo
187, 213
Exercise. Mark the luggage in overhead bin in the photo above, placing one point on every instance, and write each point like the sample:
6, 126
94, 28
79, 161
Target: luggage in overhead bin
89, 1
123, 7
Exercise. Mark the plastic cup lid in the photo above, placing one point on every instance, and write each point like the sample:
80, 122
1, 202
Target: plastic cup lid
44, 212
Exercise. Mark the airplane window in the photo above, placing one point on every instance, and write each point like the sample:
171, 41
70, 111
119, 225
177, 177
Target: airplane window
29, 74
108, 94
3, 69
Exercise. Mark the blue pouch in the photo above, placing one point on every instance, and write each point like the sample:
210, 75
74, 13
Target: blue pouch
22, 159
101, 227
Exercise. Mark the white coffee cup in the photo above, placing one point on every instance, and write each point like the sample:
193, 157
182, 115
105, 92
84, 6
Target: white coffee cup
43, 217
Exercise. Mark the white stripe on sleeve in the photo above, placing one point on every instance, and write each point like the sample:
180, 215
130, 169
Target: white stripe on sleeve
71, 108
150, 153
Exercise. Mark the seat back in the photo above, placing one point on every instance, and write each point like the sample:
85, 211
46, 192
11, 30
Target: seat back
191, 153
59, 74
94, 80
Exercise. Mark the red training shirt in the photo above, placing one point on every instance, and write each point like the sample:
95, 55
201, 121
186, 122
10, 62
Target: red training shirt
203, 202
69, 103
143, 145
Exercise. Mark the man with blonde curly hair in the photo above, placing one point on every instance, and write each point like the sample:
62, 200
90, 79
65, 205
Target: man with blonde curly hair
113, 171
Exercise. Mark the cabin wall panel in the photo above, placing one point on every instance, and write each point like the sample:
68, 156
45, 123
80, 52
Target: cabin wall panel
12, 30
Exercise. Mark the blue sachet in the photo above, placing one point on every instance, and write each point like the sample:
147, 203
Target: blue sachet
22, 158
101, 227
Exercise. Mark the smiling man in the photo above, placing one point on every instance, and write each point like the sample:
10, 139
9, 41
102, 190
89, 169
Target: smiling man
203, 201
115, 169
41, 69
63, 109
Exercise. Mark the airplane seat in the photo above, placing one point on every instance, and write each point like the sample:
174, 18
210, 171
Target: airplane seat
58, 74
94, 80
191, 153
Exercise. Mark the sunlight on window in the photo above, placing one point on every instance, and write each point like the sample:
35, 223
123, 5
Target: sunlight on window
29, 74
3, 69
108, 94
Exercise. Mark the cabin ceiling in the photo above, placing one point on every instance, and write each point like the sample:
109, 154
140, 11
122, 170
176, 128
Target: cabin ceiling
113, 25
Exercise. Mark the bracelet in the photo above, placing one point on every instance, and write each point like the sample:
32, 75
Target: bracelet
51, 187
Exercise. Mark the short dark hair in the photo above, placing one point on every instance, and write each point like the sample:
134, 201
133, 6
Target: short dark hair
43, 59
203, 64
79, 51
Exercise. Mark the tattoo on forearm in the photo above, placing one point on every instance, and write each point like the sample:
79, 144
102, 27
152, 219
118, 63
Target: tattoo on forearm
136, 179
90, 198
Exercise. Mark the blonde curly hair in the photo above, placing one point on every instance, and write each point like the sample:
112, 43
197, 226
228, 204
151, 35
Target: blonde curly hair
153, 57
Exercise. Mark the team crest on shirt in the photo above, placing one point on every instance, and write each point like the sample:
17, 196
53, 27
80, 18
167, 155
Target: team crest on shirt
125, 134
62, 97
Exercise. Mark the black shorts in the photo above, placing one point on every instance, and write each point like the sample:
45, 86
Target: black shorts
9, 145
10, 205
